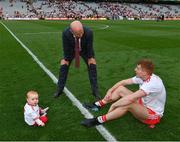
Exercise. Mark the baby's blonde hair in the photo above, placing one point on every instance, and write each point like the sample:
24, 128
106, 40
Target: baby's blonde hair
30, 93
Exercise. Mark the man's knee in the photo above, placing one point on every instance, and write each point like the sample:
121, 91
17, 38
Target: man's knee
121, 88
64, 62
91, 61
119, 92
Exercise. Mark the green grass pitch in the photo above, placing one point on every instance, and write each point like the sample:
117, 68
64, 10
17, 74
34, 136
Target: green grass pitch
118, 45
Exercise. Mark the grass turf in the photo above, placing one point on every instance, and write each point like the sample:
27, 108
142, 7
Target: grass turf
117, 50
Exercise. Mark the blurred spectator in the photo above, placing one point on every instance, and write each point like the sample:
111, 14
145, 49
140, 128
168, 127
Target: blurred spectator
82, 9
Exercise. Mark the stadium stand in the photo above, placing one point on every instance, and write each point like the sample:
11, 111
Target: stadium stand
80, 9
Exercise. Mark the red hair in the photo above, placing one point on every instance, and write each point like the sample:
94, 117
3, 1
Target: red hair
147, 64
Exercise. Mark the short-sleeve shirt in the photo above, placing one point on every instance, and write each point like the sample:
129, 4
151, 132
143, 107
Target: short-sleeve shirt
155, 93
31, 113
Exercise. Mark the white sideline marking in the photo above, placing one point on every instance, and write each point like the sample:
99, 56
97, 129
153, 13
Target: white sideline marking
103, 131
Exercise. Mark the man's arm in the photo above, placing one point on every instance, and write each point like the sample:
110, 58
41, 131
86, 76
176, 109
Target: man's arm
127, 100
121, 83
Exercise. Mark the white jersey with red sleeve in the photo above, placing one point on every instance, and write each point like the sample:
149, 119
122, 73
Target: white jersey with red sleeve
155, 93
31, 113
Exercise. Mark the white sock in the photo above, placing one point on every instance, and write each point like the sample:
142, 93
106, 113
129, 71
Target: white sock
99, 103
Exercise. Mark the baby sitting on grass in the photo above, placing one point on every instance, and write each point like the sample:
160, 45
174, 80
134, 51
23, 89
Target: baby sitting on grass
33, 114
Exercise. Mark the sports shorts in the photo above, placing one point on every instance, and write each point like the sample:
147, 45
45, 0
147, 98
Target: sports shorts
153, 118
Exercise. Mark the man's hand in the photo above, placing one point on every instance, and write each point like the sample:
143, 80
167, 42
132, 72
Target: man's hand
108, 96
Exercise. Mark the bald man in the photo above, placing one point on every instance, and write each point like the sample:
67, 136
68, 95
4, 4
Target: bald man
77, 41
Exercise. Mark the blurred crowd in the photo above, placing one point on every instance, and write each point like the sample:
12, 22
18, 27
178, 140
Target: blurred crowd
80, 9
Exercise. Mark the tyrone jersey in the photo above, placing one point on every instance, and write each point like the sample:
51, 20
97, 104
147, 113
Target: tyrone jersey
155, 93
31, 113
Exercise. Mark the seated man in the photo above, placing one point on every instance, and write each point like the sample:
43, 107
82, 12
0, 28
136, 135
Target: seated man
146, 104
